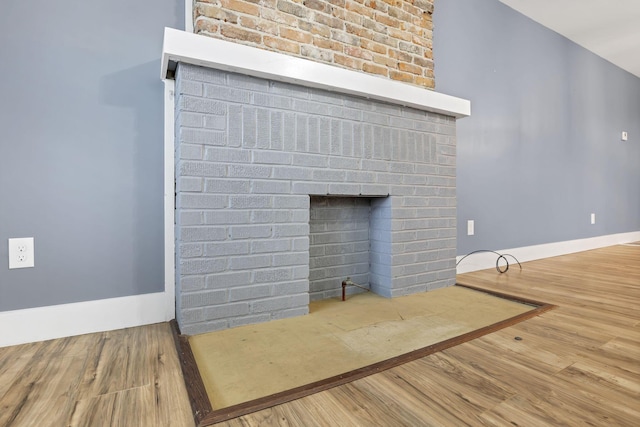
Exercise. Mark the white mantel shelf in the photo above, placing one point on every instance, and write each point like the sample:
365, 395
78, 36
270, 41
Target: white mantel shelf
180, 46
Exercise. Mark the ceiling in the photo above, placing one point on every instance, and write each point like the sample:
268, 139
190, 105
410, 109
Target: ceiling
609, 28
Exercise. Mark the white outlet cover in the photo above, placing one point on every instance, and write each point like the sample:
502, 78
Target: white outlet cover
625, 136
593, 218
470, 228
21, 253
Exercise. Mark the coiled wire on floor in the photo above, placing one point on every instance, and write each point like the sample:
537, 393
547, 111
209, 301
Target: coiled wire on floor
500, 256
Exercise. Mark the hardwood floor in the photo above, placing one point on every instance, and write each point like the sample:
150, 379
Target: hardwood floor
128, 377
578, 364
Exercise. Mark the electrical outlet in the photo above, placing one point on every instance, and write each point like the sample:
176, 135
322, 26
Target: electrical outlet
21, 253
625, 136
470, 227
593, 218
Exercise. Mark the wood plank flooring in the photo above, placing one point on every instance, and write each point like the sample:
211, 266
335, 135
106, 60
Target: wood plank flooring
128, 377
578, 364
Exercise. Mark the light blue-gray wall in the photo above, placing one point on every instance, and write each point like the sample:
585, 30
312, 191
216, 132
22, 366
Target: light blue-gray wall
81, 147
542, 149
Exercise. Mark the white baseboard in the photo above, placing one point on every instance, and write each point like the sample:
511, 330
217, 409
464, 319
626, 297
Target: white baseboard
57, 321
483, 261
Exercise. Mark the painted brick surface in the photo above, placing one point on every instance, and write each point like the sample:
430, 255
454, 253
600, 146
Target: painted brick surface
339, 244
392, 39
249, 243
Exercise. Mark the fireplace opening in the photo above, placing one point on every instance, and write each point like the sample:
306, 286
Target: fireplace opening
349, 237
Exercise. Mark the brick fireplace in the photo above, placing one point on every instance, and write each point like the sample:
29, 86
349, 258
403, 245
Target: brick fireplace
285, 188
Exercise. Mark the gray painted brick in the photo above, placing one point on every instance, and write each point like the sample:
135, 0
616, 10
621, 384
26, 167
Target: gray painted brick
247, 82
227, 186
202, 266
251, 202
187, 87
202, 327
272, 275
226, 249
313, 143
301, 132
250, 231
286, 89
227, 155
301, 272
310, 188
299, 215
191, 250
249, 171
270, 216
226, 310
249, 292
250, 262
201, 169
290, 230
235, 126
249, 121
215, 122
228, 280
192, 315
202, 74
310, 160
346, 113
187, 119
279, 303
271, 187
300, 243
202, 234
220, 217
291, 202
271, 100
335, 141
344, 163
325, 135
315, 108
270, 246
344, 189
205, 201
271, 157
374, 190
202, 299
226, 93
329, 175
263, 130
189, 184
189, 217
375, 165
280, 260
389, 178
191, 283
324, 97
201, 105
289, 288
276, 130
190, 152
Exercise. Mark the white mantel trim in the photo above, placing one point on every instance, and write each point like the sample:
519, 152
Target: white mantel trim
181, 46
